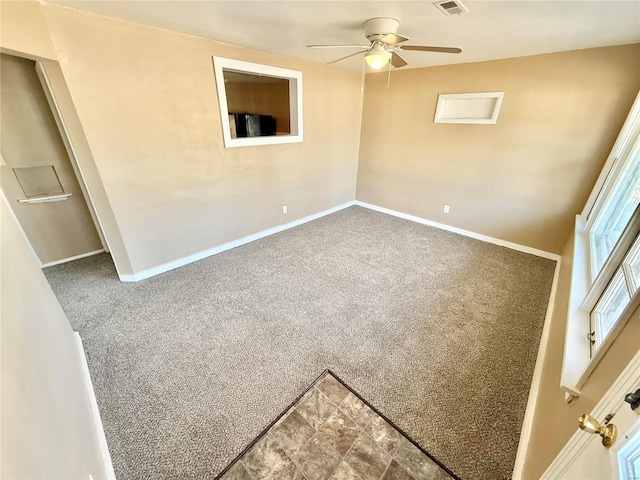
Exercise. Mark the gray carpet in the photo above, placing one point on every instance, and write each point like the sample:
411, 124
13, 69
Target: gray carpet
438, 331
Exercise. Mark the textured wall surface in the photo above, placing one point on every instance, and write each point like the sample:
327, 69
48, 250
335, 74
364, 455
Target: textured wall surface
23, 30
47, 428
29, 137
148, 104
552, 413
523, 179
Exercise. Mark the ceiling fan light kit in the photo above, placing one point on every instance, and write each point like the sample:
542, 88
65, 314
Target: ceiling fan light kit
377, 57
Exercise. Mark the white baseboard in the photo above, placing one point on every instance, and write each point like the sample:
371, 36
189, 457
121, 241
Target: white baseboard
229, 245
527, 423
97, 421
466, 233
165, 267
70, 259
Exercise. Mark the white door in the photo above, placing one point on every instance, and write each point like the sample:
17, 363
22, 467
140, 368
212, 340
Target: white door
585, 458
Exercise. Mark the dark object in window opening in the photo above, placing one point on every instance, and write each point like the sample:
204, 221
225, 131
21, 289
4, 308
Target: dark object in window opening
252, 125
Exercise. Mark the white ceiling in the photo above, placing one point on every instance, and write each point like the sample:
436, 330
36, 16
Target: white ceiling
491, 29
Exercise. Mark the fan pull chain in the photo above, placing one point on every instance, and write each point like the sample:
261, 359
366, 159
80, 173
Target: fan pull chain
389, 75
362, 84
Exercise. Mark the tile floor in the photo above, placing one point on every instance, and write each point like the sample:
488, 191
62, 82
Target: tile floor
330, 434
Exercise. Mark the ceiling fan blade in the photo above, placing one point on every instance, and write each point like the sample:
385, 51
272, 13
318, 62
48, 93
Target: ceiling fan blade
344, 58
397, 61
424, 48
339, 46
393, 39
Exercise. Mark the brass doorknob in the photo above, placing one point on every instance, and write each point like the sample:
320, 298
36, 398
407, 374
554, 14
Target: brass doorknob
609, 432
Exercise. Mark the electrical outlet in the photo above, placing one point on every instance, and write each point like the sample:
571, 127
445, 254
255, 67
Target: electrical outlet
284, 209
446, 209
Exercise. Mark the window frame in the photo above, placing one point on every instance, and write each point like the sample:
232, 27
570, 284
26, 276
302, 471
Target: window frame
578, 359
621, 175
613, 262
220, 64
618, 282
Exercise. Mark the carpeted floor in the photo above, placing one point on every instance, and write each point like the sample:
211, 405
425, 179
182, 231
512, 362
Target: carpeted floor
438, 331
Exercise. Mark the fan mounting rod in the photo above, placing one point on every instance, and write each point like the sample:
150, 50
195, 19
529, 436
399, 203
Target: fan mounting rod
377, 28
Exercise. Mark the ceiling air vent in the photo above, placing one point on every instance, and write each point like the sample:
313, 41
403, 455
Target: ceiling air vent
451, 7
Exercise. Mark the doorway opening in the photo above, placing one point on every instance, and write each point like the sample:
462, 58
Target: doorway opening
40, 179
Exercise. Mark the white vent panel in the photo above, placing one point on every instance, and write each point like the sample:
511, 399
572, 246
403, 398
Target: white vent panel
451, 7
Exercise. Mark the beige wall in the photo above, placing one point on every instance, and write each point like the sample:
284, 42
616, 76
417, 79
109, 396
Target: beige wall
25, 33
555, 420
145, 100
46, 426
23, 30
90, 173
148, 106
29, 137
262, 99
521, 180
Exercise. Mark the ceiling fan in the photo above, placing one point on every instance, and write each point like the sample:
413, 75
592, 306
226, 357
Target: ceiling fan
385, 44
